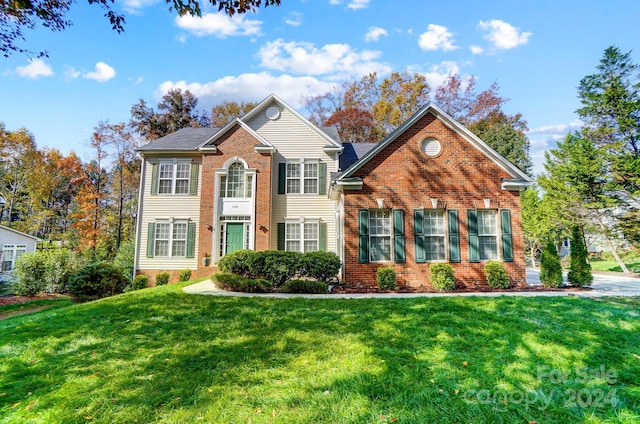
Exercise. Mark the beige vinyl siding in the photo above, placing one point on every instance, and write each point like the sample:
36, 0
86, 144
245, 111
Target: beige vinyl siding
11, 237
293, 140
165, 206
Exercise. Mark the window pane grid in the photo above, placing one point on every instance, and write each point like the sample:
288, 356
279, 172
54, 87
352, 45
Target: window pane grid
293, 178
310, 237
235, 181
487, 235
380, 235
174, 178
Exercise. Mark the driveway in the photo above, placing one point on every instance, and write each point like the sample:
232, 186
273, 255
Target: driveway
605, 284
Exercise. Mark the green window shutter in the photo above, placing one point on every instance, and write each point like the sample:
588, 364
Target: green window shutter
322, 178
281, 235
454, 236
363, 236
398, 236
322, 235
282, 178
151, 238
154, 178
191, 239
193, 182
418, 235
507, 241
474, 241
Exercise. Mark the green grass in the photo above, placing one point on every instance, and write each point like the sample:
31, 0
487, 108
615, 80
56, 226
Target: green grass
159, 355
611, 265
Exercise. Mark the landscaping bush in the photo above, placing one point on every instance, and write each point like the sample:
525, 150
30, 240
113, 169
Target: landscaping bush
28, 274
139, 282
124, 259
322, 266
96, 280
185, 275
58, 269
386, 278
579, 269
162, 279
443, 277
276, 266
496, 275
550, 268
304, 286
237, 262
234, 282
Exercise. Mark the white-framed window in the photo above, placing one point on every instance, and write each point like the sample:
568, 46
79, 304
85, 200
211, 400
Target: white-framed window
174, 177
487, 234
170, 239
434, 235
302, 177
10, 253
302, 236
237, 182
380, 235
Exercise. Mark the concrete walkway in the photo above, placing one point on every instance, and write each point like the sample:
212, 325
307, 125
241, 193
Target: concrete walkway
603, 285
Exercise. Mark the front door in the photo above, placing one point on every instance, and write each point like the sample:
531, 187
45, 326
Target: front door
235, 237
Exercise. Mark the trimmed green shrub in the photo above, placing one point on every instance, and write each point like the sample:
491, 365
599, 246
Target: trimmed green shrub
276, 266
579, 269
322, 266
386, 278
96, 280
550, 268
304, 286
138, 283
28, 274
162, 279
185, 275
58, 269
496, 275
443, 277
237, 262
238, 283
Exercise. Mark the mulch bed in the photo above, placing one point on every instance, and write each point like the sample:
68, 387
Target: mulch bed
11, 300
405, 289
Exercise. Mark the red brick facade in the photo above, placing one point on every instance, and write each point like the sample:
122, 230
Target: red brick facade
460, 177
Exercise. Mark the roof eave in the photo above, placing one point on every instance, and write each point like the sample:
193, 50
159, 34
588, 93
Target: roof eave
515, 185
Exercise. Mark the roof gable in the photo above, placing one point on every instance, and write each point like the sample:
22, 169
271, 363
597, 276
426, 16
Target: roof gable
449, 122
185, 139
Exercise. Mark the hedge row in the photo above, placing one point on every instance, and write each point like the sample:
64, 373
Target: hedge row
278, 267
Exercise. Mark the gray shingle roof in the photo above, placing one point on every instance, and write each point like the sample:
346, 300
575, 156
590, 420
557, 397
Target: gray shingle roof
186, 139
353, 152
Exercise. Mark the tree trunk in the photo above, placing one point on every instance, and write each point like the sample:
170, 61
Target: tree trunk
614, 252
533, 257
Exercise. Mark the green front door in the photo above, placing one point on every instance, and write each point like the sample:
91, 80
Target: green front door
235, 237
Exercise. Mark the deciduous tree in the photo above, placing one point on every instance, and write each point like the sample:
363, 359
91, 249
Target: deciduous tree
225, 112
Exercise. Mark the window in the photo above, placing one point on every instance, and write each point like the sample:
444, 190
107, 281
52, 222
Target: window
302, 237
10, 253
434, 233
237, 182
379, 235
487, 235
171, 239
173, 178
302, 177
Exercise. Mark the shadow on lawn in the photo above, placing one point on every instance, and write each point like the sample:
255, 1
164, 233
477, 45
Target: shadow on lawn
168, 356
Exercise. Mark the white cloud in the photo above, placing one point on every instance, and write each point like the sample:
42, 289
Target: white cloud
437, 74
250, 87
102, 73
36, 68
545, 138
503, 35
72, 72
135, 6
476, 50
181, 38
293, 19
557, 129
353, 4
375, 33
437, 37
338, 60
219, 25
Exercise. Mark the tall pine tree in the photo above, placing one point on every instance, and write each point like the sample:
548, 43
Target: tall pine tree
579, 270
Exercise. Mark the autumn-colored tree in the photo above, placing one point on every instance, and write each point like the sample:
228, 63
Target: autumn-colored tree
176, 110
227, 111
401, 95
459, 98
16, 16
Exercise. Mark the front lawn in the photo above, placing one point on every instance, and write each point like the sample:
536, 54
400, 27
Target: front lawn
160, 355
611, 265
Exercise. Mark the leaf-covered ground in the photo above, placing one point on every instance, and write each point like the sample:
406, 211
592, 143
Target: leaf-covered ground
160, 355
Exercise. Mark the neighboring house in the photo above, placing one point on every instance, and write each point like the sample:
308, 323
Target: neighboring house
14, 244
430, 192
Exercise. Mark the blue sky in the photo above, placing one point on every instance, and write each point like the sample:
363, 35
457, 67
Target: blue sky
537, 52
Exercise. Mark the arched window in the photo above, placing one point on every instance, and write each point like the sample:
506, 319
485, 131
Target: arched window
237, 183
